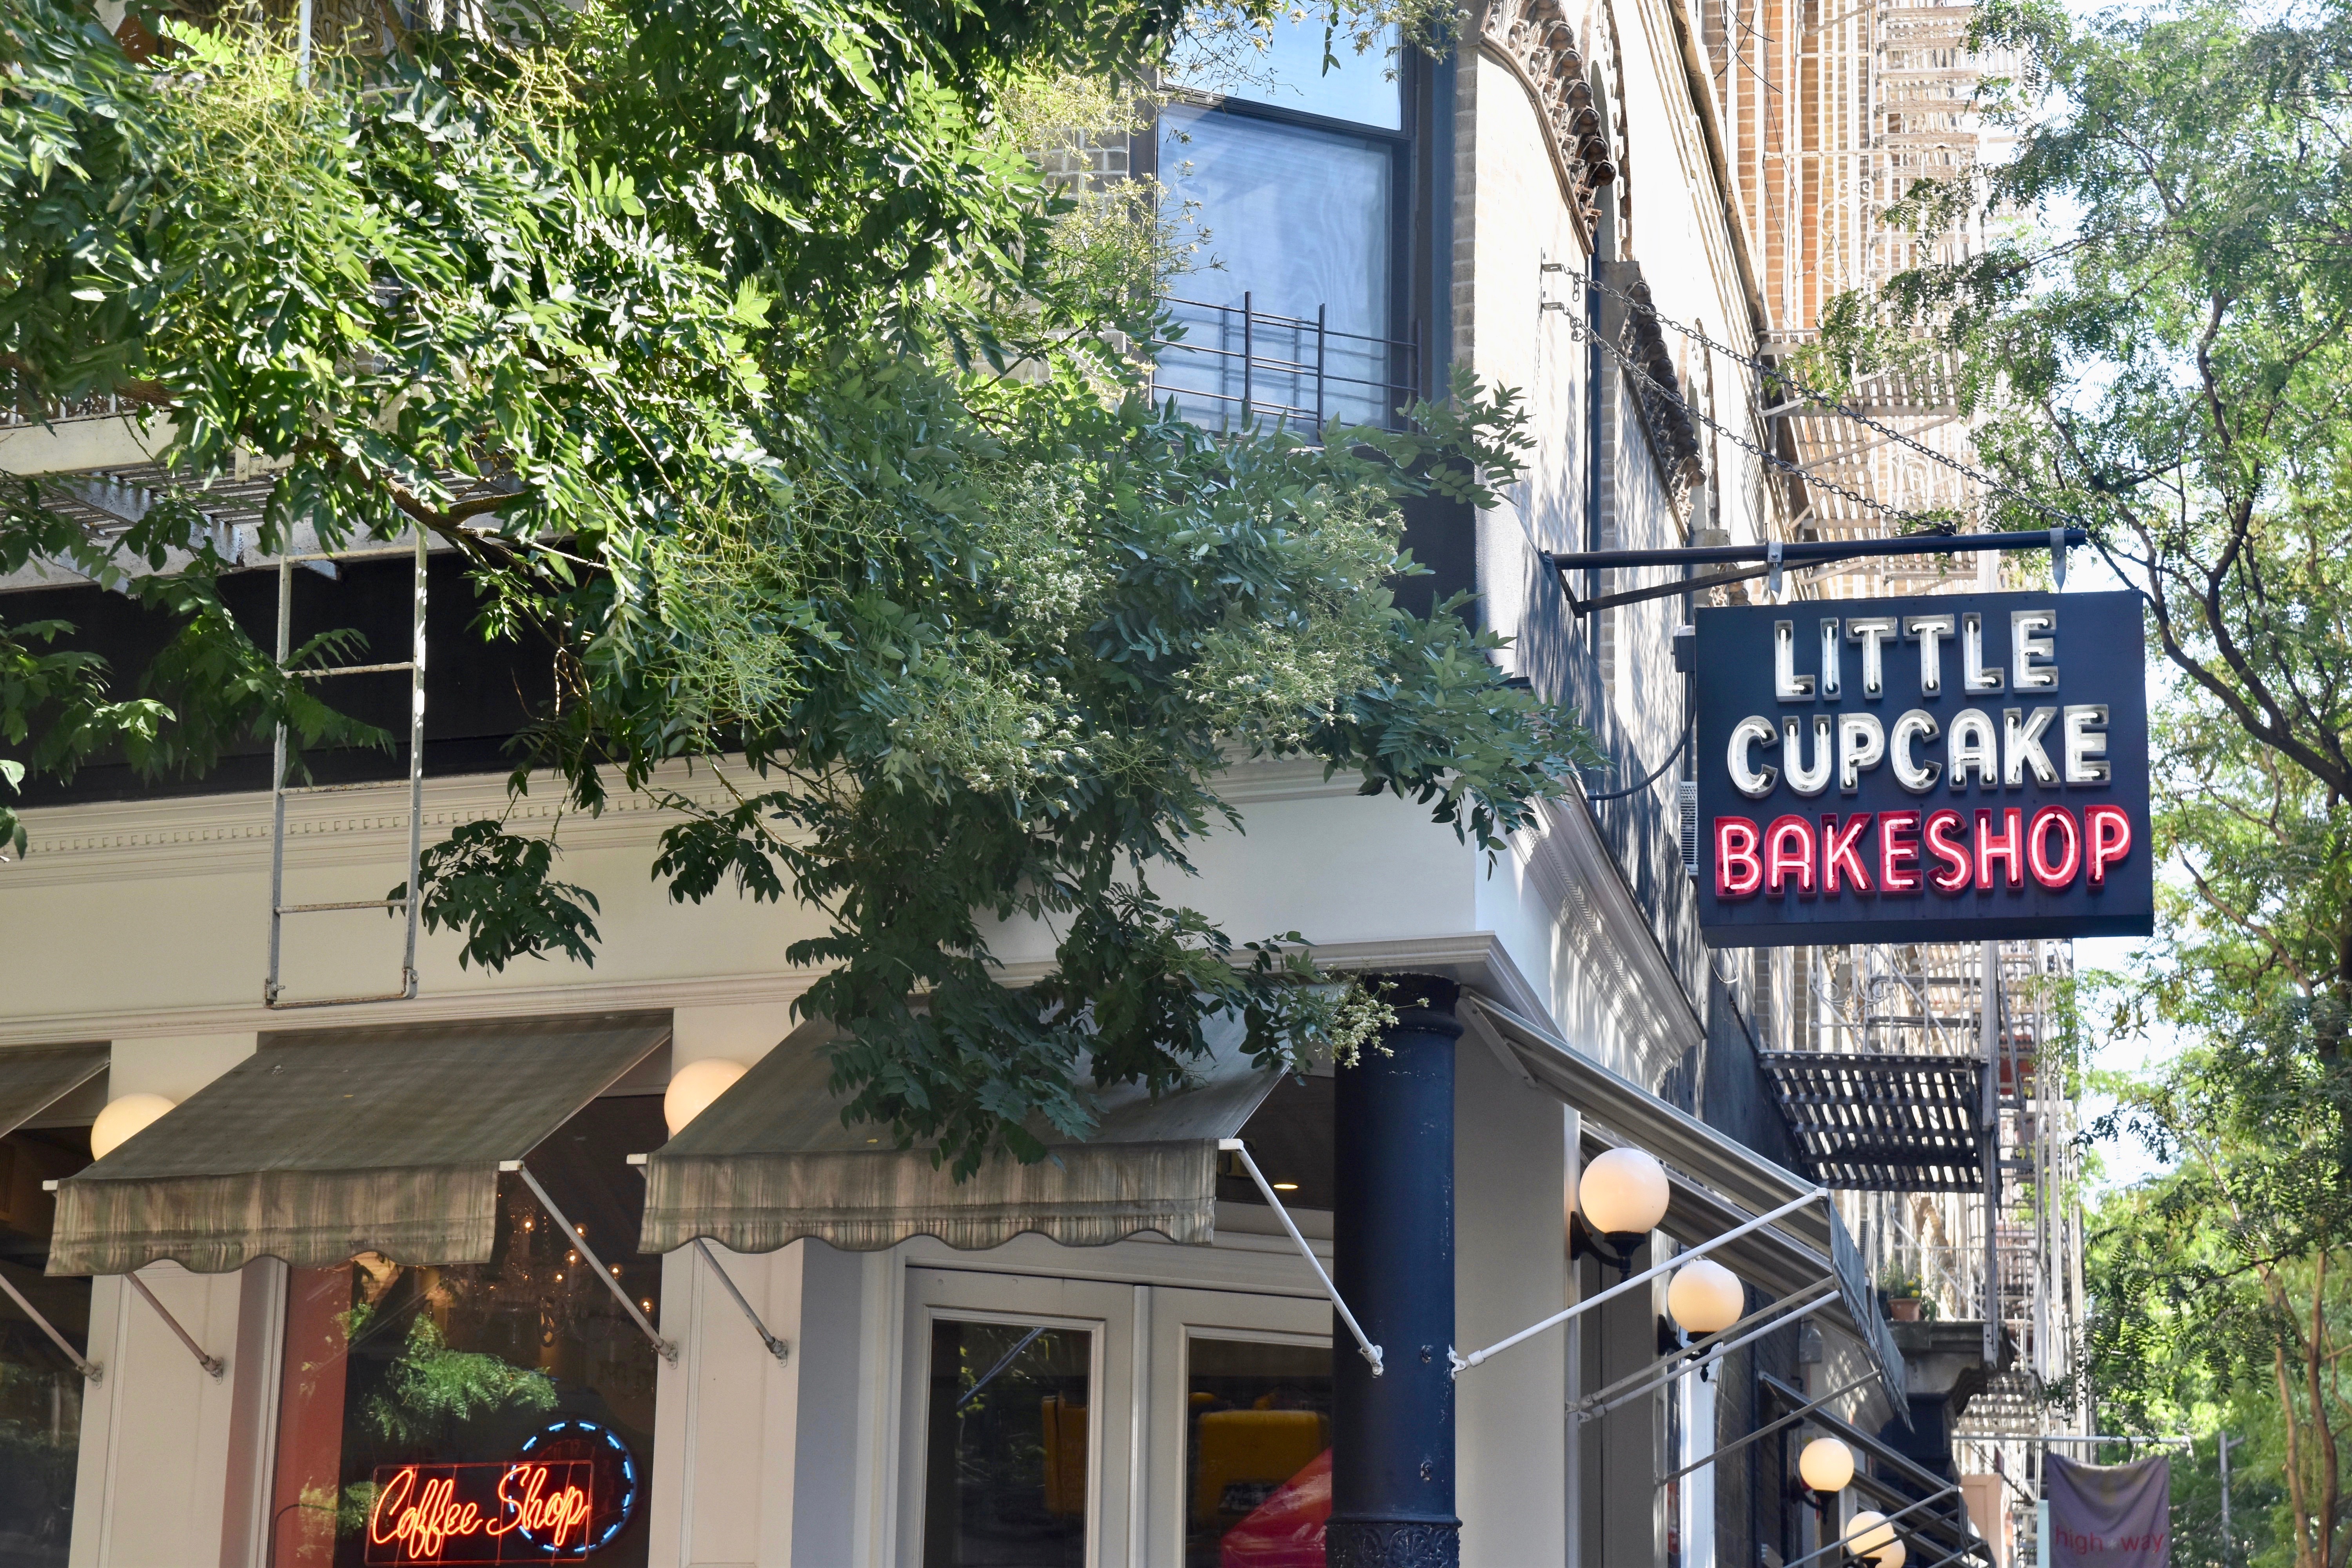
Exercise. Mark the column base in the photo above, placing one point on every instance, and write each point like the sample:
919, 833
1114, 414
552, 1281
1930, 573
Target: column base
1392, 1543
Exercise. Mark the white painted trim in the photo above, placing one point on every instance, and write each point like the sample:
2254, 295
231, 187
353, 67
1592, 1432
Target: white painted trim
261, 1374
211, 835
72, 445
1475, 957
1579, 877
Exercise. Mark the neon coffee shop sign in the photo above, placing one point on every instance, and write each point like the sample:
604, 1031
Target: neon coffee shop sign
1954, 768
525, 1511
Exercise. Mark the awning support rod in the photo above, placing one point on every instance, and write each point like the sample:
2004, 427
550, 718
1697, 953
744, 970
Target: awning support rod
1705, 1352
2181, 1442
1807, 1297
212, 1364
667, 1350
1463, 1363
1840, 1545
82, 1365
1667, 1376
1771, 1426
780, 1349
1371, 1352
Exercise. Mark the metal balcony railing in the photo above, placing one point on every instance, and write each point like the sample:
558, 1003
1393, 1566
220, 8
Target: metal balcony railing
102, 406
1235, 365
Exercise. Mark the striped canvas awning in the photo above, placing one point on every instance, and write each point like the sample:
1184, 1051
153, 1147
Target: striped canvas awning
1716, 1186
33, 1078
326, 1144
771, 1161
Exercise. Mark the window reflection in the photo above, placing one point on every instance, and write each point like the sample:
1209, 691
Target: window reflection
1005, 1482
40, 1391
1289, 72
466, 1371
1292, 324
1257, 1469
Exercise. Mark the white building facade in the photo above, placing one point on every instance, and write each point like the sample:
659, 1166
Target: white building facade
844, 1362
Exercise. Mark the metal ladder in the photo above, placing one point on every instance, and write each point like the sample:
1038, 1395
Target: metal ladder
273, 992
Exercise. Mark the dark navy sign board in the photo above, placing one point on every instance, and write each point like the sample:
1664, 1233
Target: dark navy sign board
1960, 768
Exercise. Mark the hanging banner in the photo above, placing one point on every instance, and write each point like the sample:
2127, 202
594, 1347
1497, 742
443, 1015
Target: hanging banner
2109, 1516
1967, 767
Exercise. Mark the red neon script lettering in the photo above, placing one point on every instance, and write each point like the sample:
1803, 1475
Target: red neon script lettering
554, 1517
419, 1516
421, 1529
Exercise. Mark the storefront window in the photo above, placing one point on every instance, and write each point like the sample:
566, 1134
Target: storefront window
491, 1413
40, 1391
1257, 1462
1005, 1482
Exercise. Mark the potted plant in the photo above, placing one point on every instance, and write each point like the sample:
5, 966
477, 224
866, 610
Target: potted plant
1900, 1288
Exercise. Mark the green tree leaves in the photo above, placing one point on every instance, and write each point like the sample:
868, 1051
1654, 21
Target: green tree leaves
496, 887
760, 379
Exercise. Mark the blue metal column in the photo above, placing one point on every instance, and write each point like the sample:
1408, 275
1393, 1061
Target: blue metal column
1392, 1436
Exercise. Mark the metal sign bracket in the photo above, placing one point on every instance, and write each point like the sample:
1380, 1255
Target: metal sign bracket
1776, 554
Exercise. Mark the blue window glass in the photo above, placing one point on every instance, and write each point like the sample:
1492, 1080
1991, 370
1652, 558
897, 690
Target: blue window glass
1291, 322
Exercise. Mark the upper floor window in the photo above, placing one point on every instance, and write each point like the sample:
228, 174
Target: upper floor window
1363, 87
1293, 173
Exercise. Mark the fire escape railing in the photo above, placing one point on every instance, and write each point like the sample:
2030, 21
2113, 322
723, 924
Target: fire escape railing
1235, 365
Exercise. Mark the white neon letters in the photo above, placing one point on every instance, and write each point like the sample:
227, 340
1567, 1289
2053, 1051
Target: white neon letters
1747, 777
1915, 726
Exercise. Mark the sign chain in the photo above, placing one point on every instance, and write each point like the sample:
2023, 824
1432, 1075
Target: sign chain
1832, 403
1769, 459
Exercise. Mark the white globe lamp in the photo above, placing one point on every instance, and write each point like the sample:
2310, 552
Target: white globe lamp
1869, 1537
123, 1120
1704, 1297
1826, 1466
693, 1086
1622, 1193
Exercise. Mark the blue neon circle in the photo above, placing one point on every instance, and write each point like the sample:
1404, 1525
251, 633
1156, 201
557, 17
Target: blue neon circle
624, 1461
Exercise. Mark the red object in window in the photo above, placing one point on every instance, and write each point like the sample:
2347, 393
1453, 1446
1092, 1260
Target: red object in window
1285, 1531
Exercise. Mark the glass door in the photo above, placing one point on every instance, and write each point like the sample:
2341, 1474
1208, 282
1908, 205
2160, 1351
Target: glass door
1017, 1422
1241, 1429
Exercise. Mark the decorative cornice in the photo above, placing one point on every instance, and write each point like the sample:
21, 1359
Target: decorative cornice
569, 989
208, 835
211, 834
1664, 402
1533, 39
1609, 944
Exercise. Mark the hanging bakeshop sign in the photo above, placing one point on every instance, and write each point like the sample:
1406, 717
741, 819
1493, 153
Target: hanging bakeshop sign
1960, 768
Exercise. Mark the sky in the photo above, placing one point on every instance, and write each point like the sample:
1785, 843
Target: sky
2125, 1158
